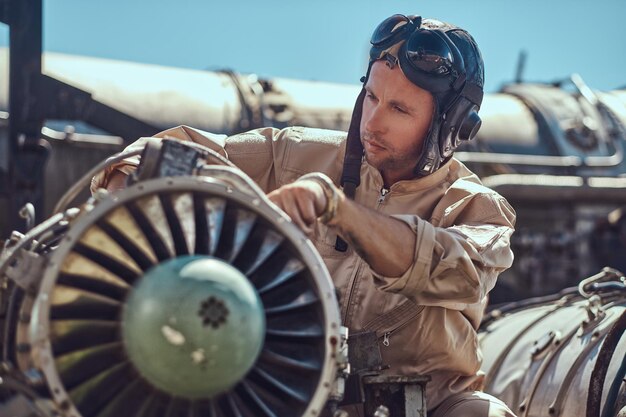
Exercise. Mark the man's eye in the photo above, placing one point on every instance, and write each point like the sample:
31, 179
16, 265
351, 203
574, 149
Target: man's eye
370, 96
399, 109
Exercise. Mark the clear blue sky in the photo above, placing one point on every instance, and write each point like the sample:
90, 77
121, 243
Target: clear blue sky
327, 39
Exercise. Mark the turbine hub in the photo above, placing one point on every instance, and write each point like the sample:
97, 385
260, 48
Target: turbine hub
193, 326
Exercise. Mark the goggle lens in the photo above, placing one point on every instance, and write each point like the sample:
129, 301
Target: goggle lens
388, 29
428, 52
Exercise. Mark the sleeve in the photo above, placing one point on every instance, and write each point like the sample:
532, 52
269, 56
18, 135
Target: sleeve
255, 152
457, 265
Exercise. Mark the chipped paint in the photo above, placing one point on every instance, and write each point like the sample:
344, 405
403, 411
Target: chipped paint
198, 356
173, 336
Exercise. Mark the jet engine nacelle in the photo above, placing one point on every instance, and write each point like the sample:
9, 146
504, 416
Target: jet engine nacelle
560, 355
182, 294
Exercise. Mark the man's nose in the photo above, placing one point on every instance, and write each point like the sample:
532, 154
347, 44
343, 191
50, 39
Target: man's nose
375, 122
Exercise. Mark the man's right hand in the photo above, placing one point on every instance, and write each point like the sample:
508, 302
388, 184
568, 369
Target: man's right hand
117, 181
303, 201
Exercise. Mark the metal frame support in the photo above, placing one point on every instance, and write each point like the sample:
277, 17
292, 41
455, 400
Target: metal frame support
66, 102
33, 98
3, 11
28, 151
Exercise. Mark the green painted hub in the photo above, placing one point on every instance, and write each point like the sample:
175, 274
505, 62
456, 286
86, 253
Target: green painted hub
193, 326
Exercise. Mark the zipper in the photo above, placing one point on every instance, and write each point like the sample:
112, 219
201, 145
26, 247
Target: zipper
383, 194
387, 334
348, 309
381, 199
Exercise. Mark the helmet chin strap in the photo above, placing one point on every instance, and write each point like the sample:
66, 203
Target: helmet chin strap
351, 175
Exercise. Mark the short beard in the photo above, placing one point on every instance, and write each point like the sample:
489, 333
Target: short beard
396, 161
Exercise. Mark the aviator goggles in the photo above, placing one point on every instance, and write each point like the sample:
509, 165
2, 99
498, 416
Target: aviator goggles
428, 58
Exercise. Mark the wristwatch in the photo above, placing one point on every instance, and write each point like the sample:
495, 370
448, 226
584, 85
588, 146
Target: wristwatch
330, 191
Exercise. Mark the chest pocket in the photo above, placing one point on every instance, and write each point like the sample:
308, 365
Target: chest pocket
395, 319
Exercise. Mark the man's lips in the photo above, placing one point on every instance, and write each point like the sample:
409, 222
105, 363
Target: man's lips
373, 146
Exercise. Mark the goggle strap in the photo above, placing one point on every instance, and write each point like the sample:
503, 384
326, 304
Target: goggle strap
468, 90
459, 83
473, 93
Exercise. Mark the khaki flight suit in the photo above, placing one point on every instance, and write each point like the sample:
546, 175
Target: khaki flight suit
426, 319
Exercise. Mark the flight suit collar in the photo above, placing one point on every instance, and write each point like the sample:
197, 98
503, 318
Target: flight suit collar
412, 185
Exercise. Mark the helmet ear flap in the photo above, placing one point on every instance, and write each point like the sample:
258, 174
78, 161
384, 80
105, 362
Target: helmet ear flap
471, 125
460, 122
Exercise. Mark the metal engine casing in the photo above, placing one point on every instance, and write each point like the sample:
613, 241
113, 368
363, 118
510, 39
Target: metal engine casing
69, 277
545, 356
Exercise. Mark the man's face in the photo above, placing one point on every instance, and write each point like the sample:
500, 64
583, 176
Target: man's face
395, 121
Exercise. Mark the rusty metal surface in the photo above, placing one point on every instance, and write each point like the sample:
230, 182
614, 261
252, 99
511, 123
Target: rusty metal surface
75, 264
26, 269
98, 240
402, 396
546, 367
123, 223
183, 207
364, 352
152, 210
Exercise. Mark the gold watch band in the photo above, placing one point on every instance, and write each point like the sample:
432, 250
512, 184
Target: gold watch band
330, 191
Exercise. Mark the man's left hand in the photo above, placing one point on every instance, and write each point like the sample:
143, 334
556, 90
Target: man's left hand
303, 201
385, 243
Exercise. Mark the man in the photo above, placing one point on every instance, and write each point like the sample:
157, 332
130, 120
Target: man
425, 240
